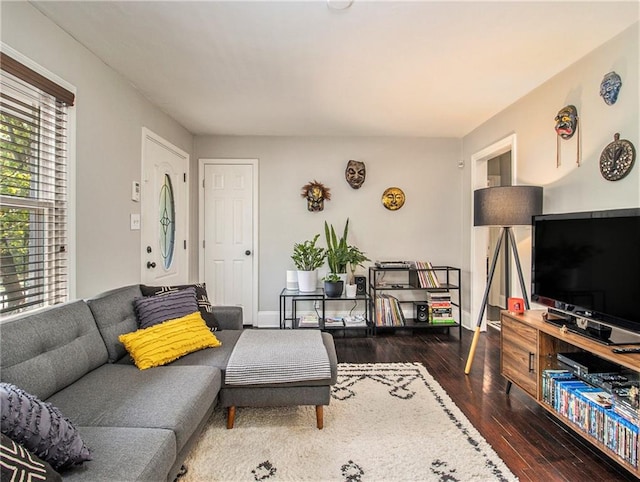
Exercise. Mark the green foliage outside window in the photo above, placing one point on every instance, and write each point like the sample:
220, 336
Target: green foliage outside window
16, 177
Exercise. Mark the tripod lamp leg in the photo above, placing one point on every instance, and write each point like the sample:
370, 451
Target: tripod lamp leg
476, 335
472, 351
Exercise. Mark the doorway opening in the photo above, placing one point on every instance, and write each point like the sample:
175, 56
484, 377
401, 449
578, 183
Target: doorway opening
494, 165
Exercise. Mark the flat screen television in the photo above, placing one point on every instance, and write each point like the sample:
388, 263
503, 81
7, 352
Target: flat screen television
586, 270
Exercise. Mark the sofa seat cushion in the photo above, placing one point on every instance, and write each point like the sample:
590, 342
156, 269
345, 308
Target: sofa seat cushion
122, 454
213, 357
278, 356
169, 397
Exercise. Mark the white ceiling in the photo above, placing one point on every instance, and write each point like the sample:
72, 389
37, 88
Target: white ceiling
377, 68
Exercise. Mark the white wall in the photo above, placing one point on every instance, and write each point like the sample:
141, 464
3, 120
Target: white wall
568, 188
427, 227
110, 115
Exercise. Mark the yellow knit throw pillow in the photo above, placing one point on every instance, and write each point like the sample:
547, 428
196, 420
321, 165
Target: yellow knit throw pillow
168, 341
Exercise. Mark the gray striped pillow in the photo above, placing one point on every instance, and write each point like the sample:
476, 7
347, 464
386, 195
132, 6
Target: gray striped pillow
152, 310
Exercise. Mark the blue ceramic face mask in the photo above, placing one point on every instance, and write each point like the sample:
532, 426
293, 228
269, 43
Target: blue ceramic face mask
610, 87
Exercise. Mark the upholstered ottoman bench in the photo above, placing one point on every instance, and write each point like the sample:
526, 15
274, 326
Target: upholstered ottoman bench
274, 368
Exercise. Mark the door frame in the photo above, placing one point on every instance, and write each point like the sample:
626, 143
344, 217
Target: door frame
202, 162
149, 135
480, 239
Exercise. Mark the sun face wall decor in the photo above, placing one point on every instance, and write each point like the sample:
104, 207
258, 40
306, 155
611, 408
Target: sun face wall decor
393, 198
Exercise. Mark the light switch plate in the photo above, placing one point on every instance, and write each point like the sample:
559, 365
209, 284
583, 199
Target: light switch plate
135, 222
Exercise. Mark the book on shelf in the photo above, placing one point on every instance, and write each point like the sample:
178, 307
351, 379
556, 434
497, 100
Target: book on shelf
308, 321
442, 321
333, 322
438, 296
357, 320
441, 313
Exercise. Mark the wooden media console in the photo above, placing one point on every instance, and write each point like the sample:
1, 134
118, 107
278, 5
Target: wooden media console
529, 347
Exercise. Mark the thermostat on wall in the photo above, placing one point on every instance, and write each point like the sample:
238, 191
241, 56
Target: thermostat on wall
135, 191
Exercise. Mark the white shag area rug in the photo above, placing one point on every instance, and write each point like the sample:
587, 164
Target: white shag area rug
386, 422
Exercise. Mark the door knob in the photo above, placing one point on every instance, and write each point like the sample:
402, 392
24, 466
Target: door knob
151, 264
247, 252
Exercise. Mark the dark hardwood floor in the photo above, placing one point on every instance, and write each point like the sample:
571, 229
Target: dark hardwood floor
533, 444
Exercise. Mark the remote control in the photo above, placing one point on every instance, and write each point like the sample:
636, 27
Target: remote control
626, 350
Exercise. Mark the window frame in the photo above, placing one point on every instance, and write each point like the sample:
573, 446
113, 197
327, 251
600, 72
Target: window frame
51, 79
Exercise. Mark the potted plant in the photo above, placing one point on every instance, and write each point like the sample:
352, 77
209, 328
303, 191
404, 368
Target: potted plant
333, 285
307, 258
337, 249
355, 258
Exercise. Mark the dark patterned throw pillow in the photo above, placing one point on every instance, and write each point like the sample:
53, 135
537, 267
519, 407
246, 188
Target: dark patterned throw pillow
204, 305
40, 428
17, 463
152, 310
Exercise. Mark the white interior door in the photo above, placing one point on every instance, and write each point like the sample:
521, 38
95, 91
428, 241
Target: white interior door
164, 212
228, 260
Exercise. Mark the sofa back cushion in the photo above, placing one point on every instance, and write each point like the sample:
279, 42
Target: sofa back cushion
115, 315
47, 351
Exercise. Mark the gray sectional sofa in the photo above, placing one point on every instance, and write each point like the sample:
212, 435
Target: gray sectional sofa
139, 424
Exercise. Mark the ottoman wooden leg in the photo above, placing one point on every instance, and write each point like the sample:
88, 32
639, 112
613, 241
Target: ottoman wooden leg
319, 417
231, 417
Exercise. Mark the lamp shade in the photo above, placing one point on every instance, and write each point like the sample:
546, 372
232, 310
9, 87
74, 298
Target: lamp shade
506, 205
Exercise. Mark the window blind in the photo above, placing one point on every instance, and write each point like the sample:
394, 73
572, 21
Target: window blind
33, 190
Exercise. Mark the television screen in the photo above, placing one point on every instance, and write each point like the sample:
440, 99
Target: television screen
588, 264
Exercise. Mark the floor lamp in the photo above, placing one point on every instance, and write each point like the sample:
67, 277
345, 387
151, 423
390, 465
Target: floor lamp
504, 206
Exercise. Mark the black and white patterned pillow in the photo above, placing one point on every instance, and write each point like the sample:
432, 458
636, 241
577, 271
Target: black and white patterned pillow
204, 305
17, 463
40, 428
152, 310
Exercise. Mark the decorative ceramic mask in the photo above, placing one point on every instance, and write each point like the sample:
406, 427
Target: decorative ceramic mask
393, 198
610, 87
355, 173
315, 193
567, 122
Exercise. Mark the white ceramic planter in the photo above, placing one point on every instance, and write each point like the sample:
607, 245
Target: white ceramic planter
307, 281
350, 291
